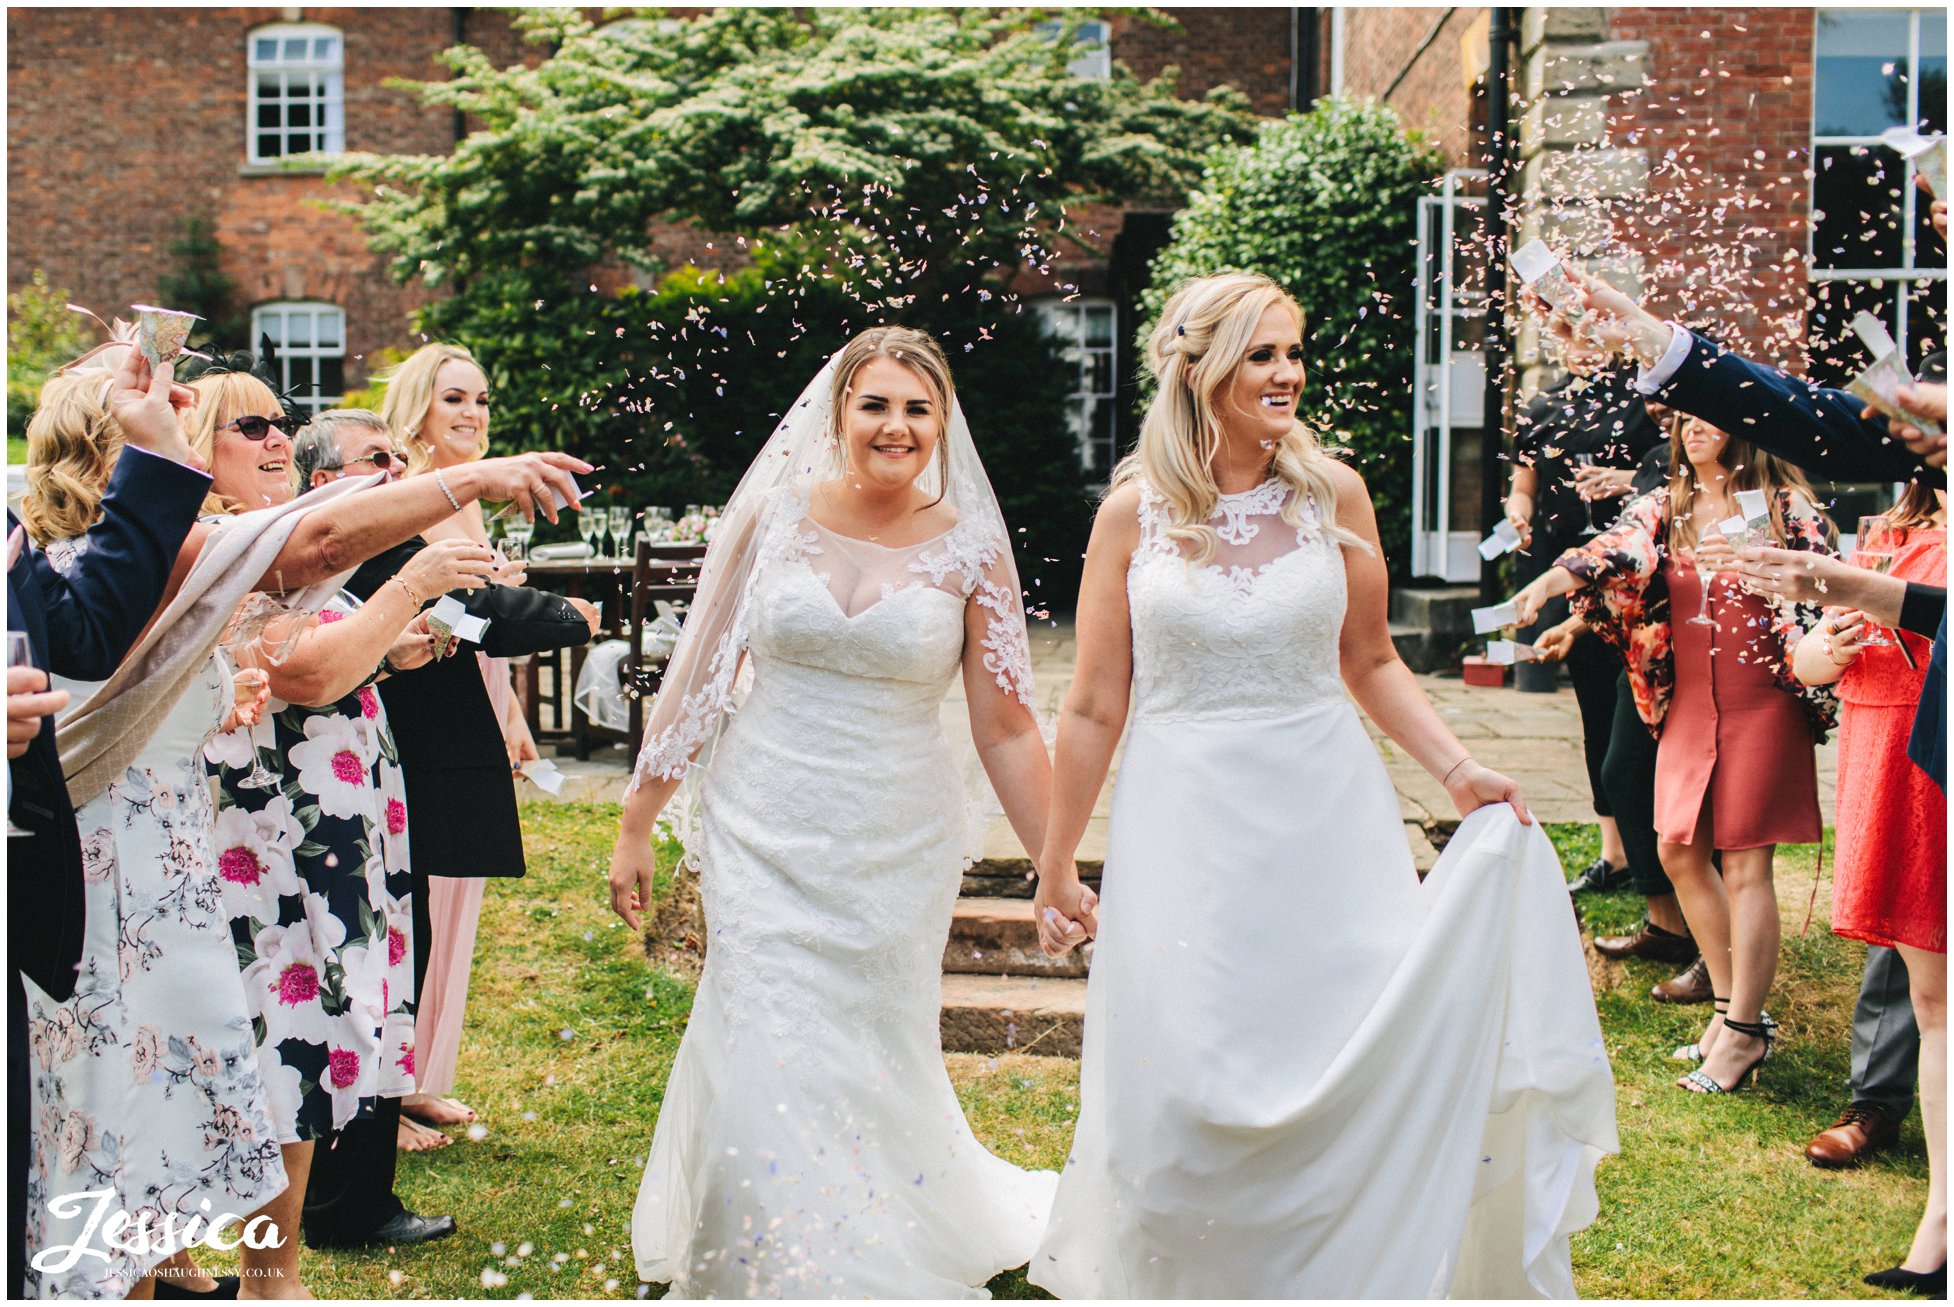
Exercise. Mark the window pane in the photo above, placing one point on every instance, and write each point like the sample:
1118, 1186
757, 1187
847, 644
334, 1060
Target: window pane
329, 324
332, 376
267, 114
1099, 327
300, 114
264, 48
298, 329
324, 49
268, 146
1857, 200
1926, 320
1933, 72
1836, 353
294, 47
1860, 71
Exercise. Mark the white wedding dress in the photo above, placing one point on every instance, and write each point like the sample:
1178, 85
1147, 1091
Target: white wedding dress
810, 1143
1305, 1073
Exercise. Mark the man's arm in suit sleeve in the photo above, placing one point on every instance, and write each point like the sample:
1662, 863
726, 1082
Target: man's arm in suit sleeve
100, 605
524, 621
1815, 427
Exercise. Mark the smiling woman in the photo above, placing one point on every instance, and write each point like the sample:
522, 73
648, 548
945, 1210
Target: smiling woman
244, 436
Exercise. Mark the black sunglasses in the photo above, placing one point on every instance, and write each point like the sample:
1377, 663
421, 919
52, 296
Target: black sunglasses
253, 426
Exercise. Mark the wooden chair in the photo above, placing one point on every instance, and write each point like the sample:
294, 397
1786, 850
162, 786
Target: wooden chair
670, 574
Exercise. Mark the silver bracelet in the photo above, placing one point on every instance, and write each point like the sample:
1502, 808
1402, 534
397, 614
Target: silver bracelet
442, 481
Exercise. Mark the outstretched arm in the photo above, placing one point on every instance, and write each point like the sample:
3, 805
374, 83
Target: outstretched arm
1380, 682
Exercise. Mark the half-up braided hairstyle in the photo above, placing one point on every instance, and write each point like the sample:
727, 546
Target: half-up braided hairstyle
1202, 337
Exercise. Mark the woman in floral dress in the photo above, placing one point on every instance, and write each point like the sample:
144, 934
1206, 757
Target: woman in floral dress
1735, 765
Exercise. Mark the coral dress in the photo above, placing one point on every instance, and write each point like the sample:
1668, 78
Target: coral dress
1736, 762
1890, 882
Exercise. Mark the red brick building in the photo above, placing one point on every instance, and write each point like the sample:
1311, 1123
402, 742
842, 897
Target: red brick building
1726, 160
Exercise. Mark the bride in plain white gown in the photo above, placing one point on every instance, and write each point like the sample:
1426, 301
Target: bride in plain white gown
809, 1143
1305, 1073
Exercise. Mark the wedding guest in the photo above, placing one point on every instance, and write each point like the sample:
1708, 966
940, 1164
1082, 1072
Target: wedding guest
1735, 769
1592, 420
1889, 883
461, 797
159, 980
78, 625
437, 406
314, 856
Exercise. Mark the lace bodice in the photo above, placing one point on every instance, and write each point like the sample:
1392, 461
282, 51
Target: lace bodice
1252, 632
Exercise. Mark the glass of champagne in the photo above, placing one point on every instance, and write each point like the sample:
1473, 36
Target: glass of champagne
620, 520
1706, 574
1875, 553
1587, 505
245, 686
20, 653
520, 529
590, 526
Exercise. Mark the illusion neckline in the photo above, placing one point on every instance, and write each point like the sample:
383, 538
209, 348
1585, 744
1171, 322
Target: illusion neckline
872, 544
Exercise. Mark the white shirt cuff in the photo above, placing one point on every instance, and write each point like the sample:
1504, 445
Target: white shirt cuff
1650, 380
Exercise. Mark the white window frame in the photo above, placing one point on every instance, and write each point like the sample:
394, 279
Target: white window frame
320, 310
1066, 319
330, 103
1901, 279
1094, 41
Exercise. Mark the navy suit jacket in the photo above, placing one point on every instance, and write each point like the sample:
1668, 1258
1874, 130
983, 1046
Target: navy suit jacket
81, 625
1815, 427
1820, 430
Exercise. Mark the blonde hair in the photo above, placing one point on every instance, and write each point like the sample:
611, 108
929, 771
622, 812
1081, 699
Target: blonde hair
221, 397
410, 394
72, 445
1750, 468
1917, 509
1201, 338
921, 355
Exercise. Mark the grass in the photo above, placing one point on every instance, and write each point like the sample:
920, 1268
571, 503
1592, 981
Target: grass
571, 1033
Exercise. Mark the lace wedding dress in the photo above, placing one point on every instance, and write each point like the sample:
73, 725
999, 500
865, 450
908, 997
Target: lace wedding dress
1305, 1073
809, 1143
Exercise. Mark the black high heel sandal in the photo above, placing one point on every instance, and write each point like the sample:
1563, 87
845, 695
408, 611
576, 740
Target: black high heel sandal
1707, 1084
1694, 1052
1928, 1284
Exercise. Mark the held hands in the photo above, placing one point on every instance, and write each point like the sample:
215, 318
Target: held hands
633, 870
456, 563
1066, 912
28, 700
525, 480
1471, 785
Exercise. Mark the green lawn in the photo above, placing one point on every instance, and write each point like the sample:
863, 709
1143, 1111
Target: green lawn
571, 1033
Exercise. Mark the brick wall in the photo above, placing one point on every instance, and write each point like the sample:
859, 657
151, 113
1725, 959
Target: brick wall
1431, 95
1244, 48
1726, 124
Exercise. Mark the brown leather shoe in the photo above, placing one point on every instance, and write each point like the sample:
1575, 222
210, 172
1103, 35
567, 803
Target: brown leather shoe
1650, 941
1691, 985
1861, 1130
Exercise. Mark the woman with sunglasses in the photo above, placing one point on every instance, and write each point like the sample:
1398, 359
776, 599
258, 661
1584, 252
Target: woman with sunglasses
147, 1082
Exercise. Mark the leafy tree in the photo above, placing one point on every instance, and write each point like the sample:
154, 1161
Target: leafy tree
1325, 203
197, 283
42, 334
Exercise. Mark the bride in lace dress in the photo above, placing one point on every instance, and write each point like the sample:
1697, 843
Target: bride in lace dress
809, 1143
1305, 1073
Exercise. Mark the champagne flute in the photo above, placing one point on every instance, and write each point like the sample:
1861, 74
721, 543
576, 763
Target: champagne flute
520, 530
590, 527
20, 653
620, 520
1875, 553
1587, 505
246, 685
1705, 574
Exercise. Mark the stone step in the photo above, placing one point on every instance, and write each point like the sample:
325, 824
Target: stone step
1015, 1014
1443, 610
999, 937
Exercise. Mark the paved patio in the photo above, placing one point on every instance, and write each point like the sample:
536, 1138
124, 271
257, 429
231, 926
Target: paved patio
1535, 738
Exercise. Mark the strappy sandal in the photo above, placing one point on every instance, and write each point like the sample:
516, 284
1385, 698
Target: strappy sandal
1694, 1052
1702, 1082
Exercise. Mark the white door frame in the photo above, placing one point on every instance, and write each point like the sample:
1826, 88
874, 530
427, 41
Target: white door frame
1443, 394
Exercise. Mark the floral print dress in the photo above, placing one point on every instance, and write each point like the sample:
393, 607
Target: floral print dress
316, 886
145, 1084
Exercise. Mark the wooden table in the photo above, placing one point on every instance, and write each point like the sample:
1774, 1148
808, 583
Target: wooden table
627, 589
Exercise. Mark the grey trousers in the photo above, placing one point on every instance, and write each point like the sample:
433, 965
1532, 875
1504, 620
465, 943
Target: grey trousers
1885, 1040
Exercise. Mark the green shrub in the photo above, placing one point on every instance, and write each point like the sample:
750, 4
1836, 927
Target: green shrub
42, 334
1326, 204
